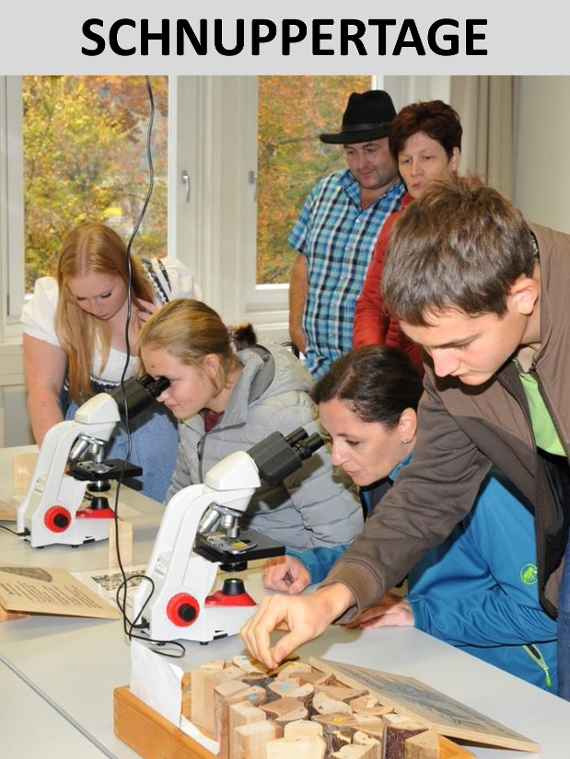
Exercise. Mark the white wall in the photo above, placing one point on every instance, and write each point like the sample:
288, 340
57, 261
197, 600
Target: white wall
542, 150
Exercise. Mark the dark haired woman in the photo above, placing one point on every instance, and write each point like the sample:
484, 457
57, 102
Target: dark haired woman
425, 140
479, 589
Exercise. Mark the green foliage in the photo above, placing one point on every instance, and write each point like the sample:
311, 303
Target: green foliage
292, 112
84, 159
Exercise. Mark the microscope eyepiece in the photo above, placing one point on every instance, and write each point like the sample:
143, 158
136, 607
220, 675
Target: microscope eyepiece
137, 393
154, 386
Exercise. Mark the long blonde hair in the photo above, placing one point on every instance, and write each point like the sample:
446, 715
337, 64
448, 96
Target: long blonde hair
189, 330
90, 247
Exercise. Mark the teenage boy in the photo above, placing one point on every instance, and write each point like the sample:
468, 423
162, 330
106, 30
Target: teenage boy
486, 296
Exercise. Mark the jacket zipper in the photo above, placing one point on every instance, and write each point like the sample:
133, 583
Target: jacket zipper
549, 409
536, 655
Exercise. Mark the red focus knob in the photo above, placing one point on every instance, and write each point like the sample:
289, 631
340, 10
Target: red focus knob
57, 519
182, 610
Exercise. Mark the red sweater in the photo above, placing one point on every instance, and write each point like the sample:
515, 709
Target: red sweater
373, 325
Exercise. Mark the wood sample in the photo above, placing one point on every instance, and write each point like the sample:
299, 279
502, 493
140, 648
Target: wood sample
239, 715
302, 728
251, 740
203, 682
422, 746
285, 710
307, 747
355, 751
398, 728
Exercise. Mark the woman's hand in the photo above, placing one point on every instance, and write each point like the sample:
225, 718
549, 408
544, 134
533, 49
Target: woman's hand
145, 309
287, 575
393, 611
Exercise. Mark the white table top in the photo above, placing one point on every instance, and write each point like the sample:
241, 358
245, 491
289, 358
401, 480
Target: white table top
23, 707
76, 663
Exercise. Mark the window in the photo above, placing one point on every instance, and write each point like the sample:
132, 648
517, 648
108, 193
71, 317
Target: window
249, 149
291, 113
82, 142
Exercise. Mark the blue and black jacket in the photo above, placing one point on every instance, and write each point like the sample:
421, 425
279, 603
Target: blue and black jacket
478, 590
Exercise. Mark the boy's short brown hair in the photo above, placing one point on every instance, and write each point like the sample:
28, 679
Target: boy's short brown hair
462, 245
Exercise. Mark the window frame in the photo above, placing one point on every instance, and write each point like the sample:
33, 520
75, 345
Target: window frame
12, 201
213, 134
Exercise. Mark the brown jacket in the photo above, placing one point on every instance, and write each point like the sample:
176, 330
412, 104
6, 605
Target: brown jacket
463, 432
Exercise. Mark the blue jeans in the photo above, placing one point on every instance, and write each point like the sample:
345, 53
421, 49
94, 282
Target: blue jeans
154, 445
564, 632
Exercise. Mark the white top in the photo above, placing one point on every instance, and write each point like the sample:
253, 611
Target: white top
38, 314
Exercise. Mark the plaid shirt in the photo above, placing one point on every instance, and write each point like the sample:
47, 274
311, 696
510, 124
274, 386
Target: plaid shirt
338, 236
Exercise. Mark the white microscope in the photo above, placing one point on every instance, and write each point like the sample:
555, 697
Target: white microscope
71, 462
199, 532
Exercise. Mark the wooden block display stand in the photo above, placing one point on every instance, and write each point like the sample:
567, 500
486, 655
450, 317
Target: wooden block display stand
149, 734
308, 710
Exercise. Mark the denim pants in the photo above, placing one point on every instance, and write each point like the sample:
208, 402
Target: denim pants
564, 631
154, 445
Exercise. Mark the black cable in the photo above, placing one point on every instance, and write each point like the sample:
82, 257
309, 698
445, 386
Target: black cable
9, 529
128, 625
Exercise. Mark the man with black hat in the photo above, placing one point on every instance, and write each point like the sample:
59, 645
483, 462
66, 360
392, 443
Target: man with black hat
337, 230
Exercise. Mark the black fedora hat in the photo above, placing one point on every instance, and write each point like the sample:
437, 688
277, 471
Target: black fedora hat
368, 116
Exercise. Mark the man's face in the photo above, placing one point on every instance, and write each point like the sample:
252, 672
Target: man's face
371, 164
470, 348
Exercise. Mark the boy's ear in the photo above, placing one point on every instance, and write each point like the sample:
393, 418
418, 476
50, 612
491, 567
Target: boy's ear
407, 425
524, 294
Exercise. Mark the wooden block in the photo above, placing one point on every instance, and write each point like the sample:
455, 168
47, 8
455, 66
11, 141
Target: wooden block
302, 748
450, 750
251, 740
302, 728
292, 689
422, 746
323, 704
364, 703
241, 714
337, 730
372, 726
225, 694
148, 733
126, 541
398, 729
249, 665
285, 710
313, 677
374, 745
294, 669
357, 752
339, 692
204, 680
336, 720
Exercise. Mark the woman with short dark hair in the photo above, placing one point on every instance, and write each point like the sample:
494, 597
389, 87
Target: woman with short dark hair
425, 140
